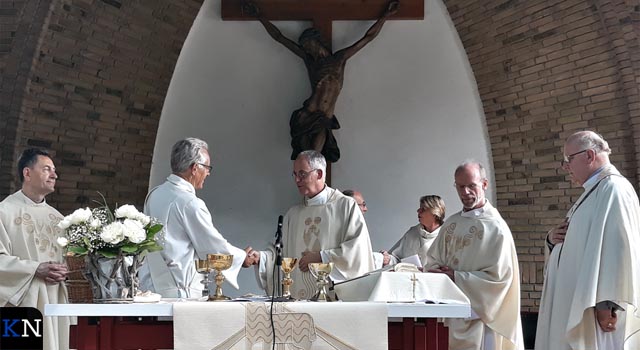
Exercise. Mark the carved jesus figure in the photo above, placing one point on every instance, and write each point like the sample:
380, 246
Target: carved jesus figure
312, 125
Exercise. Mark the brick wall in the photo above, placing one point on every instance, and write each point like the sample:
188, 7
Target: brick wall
544, 70
19, 33
89, 87
87, 78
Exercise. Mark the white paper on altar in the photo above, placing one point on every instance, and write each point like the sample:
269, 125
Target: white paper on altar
401, 287
413, 259
300, 325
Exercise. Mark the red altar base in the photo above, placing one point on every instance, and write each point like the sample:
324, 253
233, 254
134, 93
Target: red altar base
104, 333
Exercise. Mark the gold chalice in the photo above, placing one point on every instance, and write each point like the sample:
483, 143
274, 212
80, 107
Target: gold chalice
202, 267
321, 272
288, 264
219, 262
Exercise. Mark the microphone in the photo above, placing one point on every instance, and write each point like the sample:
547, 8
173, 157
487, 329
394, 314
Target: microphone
278, 244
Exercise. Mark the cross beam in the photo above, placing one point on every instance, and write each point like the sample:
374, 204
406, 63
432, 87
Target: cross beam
334, 10
323, 12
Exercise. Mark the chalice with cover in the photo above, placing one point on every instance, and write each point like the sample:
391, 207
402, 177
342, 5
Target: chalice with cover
202, 267
321, 272
288, 265
219, 262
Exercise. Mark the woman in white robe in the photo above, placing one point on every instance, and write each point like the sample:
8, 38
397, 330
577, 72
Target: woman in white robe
418, 239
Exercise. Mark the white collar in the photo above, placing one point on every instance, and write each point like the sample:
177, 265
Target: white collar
180, 182
320, 198
474, 213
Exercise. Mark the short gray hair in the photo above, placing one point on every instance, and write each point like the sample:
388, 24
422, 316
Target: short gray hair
316, 159
186, 152
590, 140
436, 205
483, 172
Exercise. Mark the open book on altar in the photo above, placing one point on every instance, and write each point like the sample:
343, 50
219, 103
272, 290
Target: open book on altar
384, 285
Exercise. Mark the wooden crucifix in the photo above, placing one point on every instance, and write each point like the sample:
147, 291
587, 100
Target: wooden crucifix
312, 125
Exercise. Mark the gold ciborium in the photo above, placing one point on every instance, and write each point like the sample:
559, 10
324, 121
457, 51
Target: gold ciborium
288, 264
219, 262
202, 267
321, 272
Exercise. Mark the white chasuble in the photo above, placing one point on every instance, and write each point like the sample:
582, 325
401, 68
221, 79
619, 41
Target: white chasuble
478, 245
416, 240
189, 234
598, 261
28, 236
336, 228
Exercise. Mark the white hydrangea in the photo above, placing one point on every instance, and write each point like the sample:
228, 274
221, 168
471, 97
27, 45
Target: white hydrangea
145, 220
134, 230
95, 223
62, 241
127, 211
64, 224
113, 233
79, 216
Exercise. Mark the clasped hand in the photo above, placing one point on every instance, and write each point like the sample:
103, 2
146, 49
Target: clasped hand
556, 235
444, 269
52, 272
252, 258
307, 258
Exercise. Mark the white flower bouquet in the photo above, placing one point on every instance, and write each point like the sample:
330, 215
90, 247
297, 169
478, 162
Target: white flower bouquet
100, 232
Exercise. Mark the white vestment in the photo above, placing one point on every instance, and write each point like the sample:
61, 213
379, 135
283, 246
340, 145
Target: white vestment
189, 234
479, 247
335, 227
599, 261
416, 240
28, 236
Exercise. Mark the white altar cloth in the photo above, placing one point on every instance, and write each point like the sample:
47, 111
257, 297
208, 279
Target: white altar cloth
299, 325
401, 287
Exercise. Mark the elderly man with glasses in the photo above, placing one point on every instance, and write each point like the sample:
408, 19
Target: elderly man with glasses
189, 231
591, 292
476, 250
326, 227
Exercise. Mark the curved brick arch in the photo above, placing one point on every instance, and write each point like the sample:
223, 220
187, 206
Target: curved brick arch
19, 42
545, 69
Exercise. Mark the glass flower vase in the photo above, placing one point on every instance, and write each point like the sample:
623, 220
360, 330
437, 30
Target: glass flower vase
113, 280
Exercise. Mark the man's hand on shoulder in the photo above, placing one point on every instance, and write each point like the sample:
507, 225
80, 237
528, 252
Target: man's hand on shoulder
52, 272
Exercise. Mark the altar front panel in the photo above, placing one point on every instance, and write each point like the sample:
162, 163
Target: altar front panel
299, 325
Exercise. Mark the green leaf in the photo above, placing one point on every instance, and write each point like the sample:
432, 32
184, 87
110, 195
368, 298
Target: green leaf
129, 248
78, 250
108, 254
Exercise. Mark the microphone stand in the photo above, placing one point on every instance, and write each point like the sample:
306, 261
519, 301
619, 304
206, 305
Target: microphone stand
277, 288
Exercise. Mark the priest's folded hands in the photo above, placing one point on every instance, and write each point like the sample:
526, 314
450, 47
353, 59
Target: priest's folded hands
52, 272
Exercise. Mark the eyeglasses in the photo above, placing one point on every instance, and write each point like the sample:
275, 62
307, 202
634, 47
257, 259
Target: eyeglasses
569, 158
362, 205
302, 174
208, 167
472, 186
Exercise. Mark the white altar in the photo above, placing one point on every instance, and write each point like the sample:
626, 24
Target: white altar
110, 334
